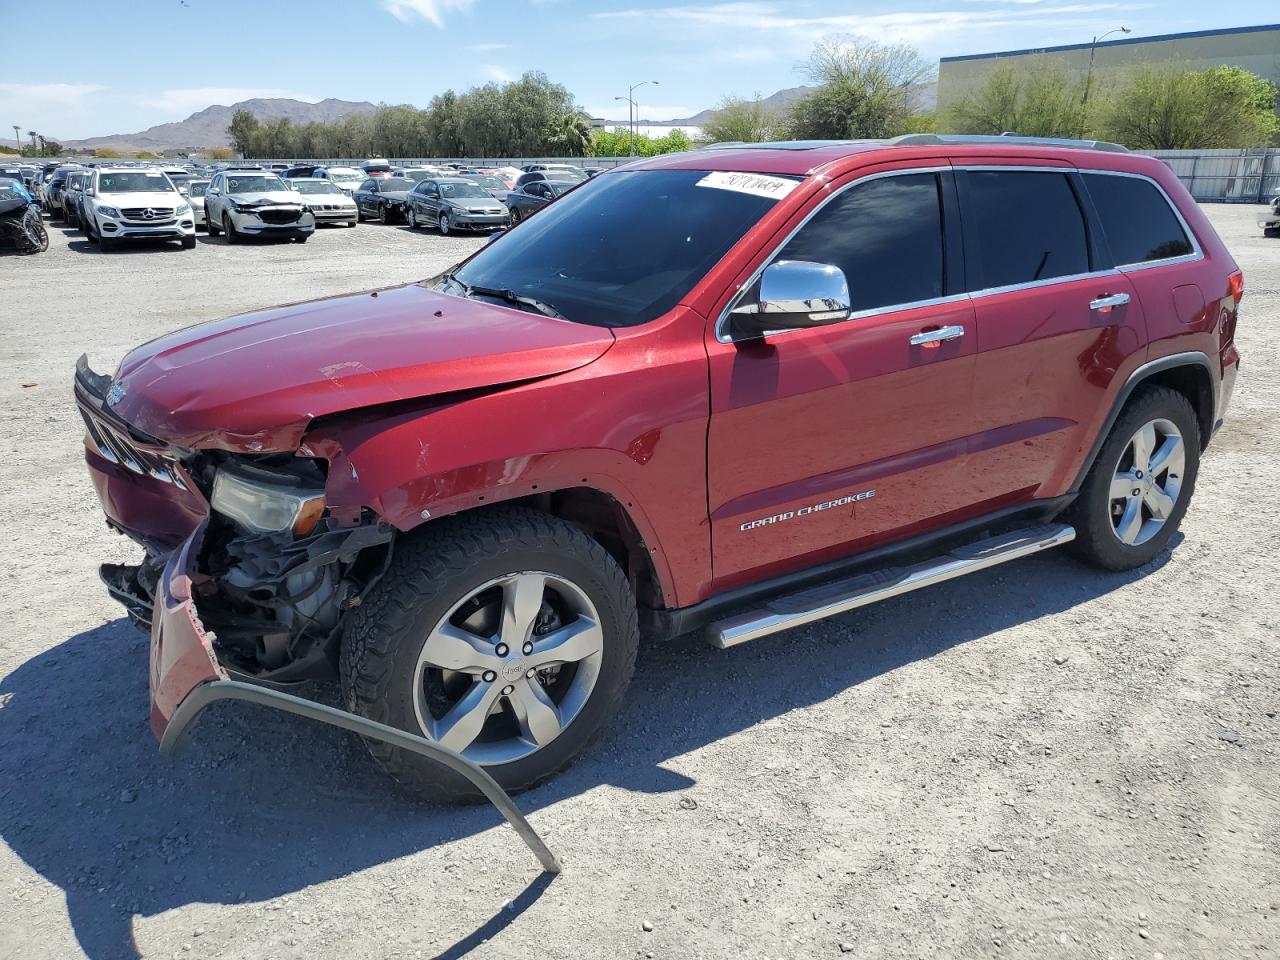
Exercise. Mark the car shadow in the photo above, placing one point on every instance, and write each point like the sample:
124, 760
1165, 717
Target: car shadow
262, 804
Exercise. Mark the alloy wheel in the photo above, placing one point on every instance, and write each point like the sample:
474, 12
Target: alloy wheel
509, 667
1147, 482
444, 224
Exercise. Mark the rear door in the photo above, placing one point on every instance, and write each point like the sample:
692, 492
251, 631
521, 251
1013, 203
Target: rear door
1056, 323
827, 439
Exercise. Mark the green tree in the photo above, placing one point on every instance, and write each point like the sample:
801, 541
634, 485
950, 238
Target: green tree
242, 130
865, 90
1038, 99
738, 120
1163, 107
570, 136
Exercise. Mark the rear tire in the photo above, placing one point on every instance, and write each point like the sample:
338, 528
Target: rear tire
1141, 483
435, 578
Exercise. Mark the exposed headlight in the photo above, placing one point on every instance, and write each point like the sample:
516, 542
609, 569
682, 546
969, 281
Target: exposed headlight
182, 208
265, 507
109, 211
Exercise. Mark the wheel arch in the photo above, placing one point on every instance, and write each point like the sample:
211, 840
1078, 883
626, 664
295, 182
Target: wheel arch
1190, 374
603, 517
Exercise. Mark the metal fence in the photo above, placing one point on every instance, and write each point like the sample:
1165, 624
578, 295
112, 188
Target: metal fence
1226, 176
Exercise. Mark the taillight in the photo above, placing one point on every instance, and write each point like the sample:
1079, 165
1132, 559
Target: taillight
1236, 284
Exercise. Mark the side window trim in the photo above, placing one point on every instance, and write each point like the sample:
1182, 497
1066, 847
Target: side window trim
722, 321
1197, 253
1100, 257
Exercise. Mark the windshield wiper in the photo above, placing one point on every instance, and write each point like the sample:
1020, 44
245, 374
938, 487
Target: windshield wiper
509, 296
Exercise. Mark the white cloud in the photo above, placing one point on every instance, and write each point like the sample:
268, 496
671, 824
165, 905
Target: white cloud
495, 72
181, 103
433, 11
32, 97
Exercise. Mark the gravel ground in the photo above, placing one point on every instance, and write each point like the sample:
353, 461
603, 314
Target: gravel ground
1038, 761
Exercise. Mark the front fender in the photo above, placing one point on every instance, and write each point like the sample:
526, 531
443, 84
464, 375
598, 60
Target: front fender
632, 425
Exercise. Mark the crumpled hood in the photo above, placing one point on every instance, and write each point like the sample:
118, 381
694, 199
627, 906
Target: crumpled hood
267, 198
254, 382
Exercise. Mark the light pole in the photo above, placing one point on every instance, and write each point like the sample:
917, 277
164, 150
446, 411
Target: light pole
1088, 77
633, 113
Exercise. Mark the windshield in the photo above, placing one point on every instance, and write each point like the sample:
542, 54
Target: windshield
460, 191
178, 179
198, 187
12, 189
134, 181
253, 184
390, 184
315, 186
620, 249
346, 176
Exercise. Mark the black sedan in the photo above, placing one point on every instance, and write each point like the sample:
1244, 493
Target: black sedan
524, 201
382, 197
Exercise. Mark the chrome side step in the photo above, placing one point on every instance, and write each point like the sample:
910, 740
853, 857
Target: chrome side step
841, 596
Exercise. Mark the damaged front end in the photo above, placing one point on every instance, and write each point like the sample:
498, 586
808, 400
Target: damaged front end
248, 572
272, 569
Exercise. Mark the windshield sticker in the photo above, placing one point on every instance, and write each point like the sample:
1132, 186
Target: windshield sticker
775, 188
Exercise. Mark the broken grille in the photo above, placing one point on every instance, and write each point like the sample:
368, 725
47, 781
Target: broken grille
118, 448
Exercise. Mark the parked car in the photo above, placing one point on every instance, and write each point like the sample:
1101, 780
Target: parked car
252, 203
347, 178
1270, 221
301, 170
418, 174
532, 197
489, 183
179, 177
740, 398
131, 203
73, 195
557, 171
454, 203
53, 192
383, 198
195, 196
376, 168
327, 201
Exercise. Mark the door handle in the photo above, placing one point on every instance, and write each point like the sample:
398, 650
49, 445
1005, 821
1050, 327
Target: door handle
1105, 304
932, 339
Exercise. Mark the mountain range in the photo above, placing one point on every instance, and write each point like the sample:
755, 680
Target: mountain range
208, 128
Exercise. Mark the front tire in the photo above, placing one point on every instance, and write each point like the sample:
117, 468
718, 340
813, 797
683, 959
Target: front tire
229, 229
189, 243
1138, 488
508, 636
411, 217
443, 224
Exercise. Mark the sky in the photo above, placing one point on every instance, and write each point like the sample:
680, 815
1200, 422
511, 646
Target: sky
202, 52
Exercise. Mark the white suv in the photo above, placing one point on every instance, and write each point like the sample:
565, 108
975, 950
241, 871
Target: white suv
256, 203
133, 203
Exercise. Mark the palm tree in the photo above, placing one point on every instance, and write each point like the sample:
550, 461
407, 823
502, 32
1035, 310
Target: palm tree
571, 134
32, 135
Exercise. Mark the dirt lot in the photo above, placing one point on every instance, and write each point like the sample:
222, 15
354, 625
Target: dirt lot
1040, 761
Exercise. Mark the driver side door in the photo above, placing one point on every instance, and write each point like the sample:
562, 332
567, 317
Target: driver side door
827, 440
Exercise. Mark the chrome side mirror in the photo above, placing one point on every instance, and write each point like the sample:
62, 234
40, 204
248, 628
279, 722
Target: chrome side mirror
793, 293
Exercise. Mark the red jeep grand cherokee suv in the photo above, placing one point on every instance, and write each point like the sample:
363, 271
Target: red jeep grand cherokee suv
740, 388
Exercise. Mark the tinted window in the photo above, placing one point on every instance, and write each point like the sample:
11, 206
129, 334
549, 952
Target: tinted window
1138, 221
620, 249
886, 235
1028, 227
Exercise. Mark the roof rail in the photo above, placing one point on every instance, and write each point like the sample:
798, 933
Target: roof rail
935, 139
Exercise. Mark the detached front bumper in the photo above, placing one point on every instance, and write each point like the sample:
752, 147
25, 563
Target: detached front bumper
182, 654
186, 677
